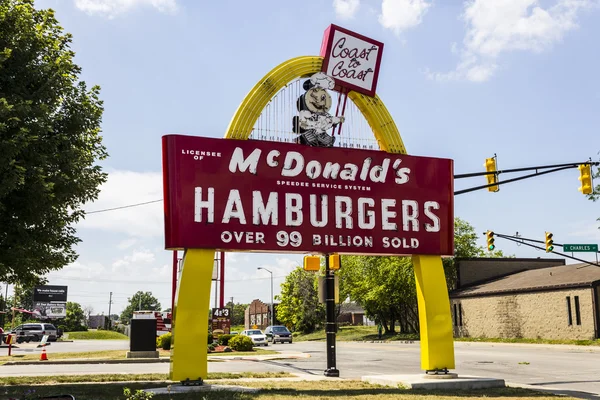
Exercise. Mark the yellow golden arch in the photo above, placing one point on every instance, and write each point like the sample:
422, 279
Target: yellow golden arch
190, 329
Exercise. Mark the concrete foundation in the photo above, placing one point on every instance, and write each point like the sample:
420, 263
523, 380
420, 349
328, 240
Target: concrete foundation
142, 354
178, 388
433, 382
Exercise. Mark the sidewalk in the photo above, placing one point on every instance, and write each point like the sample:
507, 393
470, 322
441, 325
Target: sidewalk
72, 361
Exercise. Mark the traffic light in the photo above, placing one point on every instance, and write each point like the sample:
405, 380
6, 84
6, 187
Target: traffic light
549, 242
490, 166
490, 240
334, 262
312, 263
585, 172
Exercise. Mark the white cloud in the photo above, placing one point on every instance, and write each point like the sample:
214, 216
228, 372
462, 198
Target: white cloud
125, 188
585, 230
127, 243
346, 9
111, 8
497, 27
400, 15
137, 257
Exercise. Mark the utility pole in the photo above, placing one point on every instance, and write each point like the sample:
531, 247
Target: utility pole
12, 324
231, 316
330, 324
109, 307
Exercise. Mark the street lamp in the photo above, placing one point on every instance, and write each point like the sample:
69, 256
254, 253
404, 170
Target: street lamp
272, 314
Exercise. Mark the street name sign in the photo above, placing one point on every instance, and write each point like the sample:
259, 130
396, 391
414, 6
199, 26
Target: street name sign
580, 247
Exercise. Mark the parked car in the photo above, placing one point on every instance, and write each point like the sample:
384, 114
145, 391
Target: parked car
36, 331
258, 338
278, 333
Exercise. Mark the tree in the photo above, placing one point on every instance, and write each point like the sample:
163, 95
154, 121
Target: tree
139, 301
49, 143
74, 321
299, 308
596, 193
87, 311
385, 286
237, 313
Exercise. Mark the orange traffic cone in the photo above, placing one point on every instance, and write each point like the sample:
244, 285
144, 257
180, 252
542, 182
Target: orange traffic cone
43, 356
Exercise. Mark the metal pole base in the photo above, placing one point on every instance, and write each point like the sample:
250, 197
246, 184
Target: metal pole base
332, 373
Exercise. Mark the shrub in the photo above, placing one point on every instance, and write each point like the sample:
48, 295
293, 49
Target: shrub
224, 339
137, 395
164, 341
241, 343
227, 350
212, 347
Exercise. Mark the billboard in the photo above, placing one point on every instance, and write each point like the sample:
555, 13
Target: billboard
50, 293
269, 196
50, 301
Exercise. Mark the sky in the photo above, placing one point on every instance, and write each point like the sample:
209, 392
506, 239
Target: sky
462, 79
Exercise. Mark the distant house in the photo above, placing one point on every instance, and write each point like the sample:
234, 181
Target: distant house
352, 314
97, 321
526, 298
257, 313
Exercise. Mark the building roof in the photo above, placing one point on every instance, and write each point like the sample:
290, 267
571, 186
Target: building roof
351, 308
550, 278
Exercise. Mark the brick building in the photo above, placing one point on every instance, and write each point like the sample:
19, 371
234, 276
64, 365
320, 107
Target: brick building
526, 298
257, 313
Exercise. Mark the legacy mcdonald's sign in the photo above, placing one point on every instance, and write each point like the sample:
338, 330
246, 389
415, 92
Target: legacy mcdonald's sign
269, 196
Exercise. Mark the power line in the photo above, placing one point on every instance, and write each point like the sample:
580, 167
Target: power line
92, 280
122, 207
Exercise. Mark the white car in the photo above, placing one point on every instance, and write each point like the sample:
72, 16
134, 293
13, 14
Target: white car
258, 338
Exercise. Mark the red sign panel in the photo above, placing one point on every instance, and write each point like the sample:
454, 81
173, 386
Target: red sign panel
353, 60
269, 196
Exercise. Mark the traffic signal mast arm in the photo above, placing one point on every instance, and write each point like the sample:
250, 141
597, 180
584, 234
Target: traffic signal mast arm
556, 168
521, 240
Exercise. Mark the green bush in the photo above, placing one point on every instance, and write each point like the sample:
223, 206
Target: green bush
241, 343
164, 341
212, 346
224, 339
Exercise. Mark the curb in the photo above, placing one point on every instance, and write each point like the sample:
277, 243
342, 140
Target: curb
156, 360
83, 361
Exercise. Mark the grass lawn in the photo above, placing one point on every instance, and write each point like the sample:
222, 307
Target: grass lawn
93, 334
355, 333
367, 333
273, 389
116, 355
49, 380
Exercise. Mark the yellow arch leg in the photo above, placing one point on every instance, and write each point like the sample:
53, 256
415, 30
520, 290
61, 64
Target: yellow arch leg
189, 346
437, 342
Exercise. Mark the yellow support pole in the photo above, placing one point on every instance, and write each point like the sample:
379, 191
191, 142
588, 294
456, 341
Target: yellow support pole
189, 345
437, 341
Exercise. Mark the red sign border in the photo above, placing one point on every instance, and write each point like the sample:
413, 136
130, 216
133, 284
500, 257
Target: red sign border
326, 46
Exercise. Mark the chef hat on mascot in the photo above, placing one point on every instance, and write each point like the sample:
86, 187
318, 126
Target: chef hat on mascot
320, 80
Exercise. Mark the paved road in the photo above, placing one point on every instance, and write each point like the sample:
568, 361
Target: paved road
77, 346
570, 368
